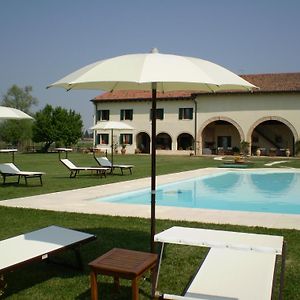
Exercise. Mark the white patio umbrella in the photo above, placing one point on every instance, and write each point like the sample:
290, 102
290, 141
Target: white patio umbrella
7, 113
111, 125
156, 72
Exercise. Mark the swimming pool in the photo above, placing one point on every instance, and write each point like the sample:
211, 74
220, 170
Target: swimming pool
259, 191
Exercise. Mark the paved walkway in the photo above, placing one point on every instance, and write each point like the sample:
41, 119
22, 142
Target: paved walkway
83, 201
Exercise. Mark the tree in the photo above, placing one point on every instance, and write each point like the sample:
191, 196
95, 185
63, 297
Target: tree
17, 132
19, 98
57, 125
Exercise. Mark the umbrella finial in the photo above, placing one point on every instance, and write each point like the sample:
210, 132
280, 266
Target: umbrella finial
154, 50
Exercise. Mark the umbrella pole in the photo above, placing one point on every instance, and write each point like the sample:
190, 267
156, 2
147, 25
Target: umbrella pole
112, 148
153, 167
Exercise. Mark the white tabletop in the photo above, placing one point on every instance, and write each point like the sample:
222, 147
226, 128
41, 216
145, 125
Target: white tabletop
37, 243
8, 150
221, 239
63, 149
234, 274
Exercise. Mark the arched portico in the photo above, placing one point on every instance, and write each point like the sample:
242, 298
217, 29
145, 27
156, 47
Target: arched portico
273, 135
163, 141
143, 142
219, 134
185, 141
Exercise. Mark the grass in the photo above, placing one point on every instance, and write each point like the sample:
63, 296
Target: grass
57, 175
47, 281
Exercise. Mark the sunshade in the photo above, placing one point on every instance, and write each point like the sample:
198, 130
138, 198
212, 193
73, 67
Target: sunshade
139, 71
7, 113
156, 72
111, 125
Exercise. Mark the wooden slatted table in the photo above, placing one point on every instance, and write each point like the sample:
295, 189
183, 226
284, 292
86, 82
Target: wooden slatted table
122, 263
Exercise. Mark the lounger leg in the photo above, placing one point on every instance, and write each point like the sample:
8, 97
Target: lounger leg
158, 265
79, 259
25, 177
19, 179
41, 180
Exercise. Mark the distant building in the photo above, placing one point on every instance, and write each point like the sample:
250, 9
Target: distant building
268, 119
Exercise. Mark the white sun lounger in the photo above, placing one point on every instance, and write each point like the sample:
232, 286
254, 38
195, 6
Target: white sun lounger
74, 170
238, 265
10, 169
39, 245
104, 162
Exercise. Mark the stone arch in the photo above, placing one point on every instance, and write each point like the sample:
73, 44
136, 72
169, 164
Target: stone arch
281, 120
185, 141
199, 142
163, 141
272, 118
143, 142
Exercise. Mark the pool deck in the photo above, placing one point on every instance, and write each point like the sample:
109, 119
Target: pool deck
83, 201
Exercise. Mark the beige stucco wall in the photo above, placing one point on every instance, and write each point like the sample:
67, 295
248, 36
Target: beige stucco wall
141, 118
244, 111
247, 111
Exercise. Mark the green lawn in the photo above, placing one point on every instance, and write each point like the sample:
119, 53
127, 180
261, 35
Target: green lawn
57, 175
48, 281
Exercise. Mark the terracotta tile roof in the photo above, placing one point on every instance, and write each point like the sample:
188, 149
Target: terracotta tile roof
277, 82
268, 83
140, 95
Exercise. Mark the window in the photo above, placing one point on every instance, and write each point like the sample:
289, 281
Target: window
102, 115
126, 138
126, 114
102, 139
159, 114
185, 113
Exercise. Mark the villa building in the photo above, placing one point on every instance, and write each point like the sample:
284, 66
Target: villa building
267, 119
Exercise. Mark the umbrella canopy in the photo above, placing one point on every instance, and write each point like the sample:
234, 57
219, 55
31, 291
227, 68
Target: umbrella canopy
139, 71
156, 72
12, 113
111, 125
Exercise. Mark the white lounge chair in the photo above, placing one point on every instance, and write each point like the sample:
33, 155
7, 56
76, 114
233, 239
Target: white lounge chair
74, 170
39, 245
238, 265
104, 162
10, 169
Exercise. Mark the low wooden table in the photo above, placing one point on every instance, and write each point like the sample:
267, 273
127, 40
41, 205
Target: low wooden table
126, 264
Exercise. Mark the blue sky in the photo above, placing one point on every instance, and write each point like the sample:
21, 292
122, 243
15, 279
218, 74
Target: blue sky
44, 40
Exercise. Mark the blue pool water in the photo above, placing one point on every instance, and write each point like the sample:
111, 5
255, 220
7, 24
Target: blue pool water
242, 191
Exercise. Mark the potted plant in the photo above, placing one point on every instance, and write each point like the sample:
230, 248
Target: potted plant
115, 148
245, 147
258, 152
123, 150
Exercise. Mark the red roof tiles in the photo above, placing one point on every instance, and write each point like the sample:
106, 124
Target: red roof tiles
268, 83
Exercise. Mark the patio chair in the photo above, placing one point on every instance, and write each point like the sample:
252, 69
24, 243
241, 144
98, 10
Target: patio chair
104, 162
237, 266
40, 245
10, 169
74, 170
